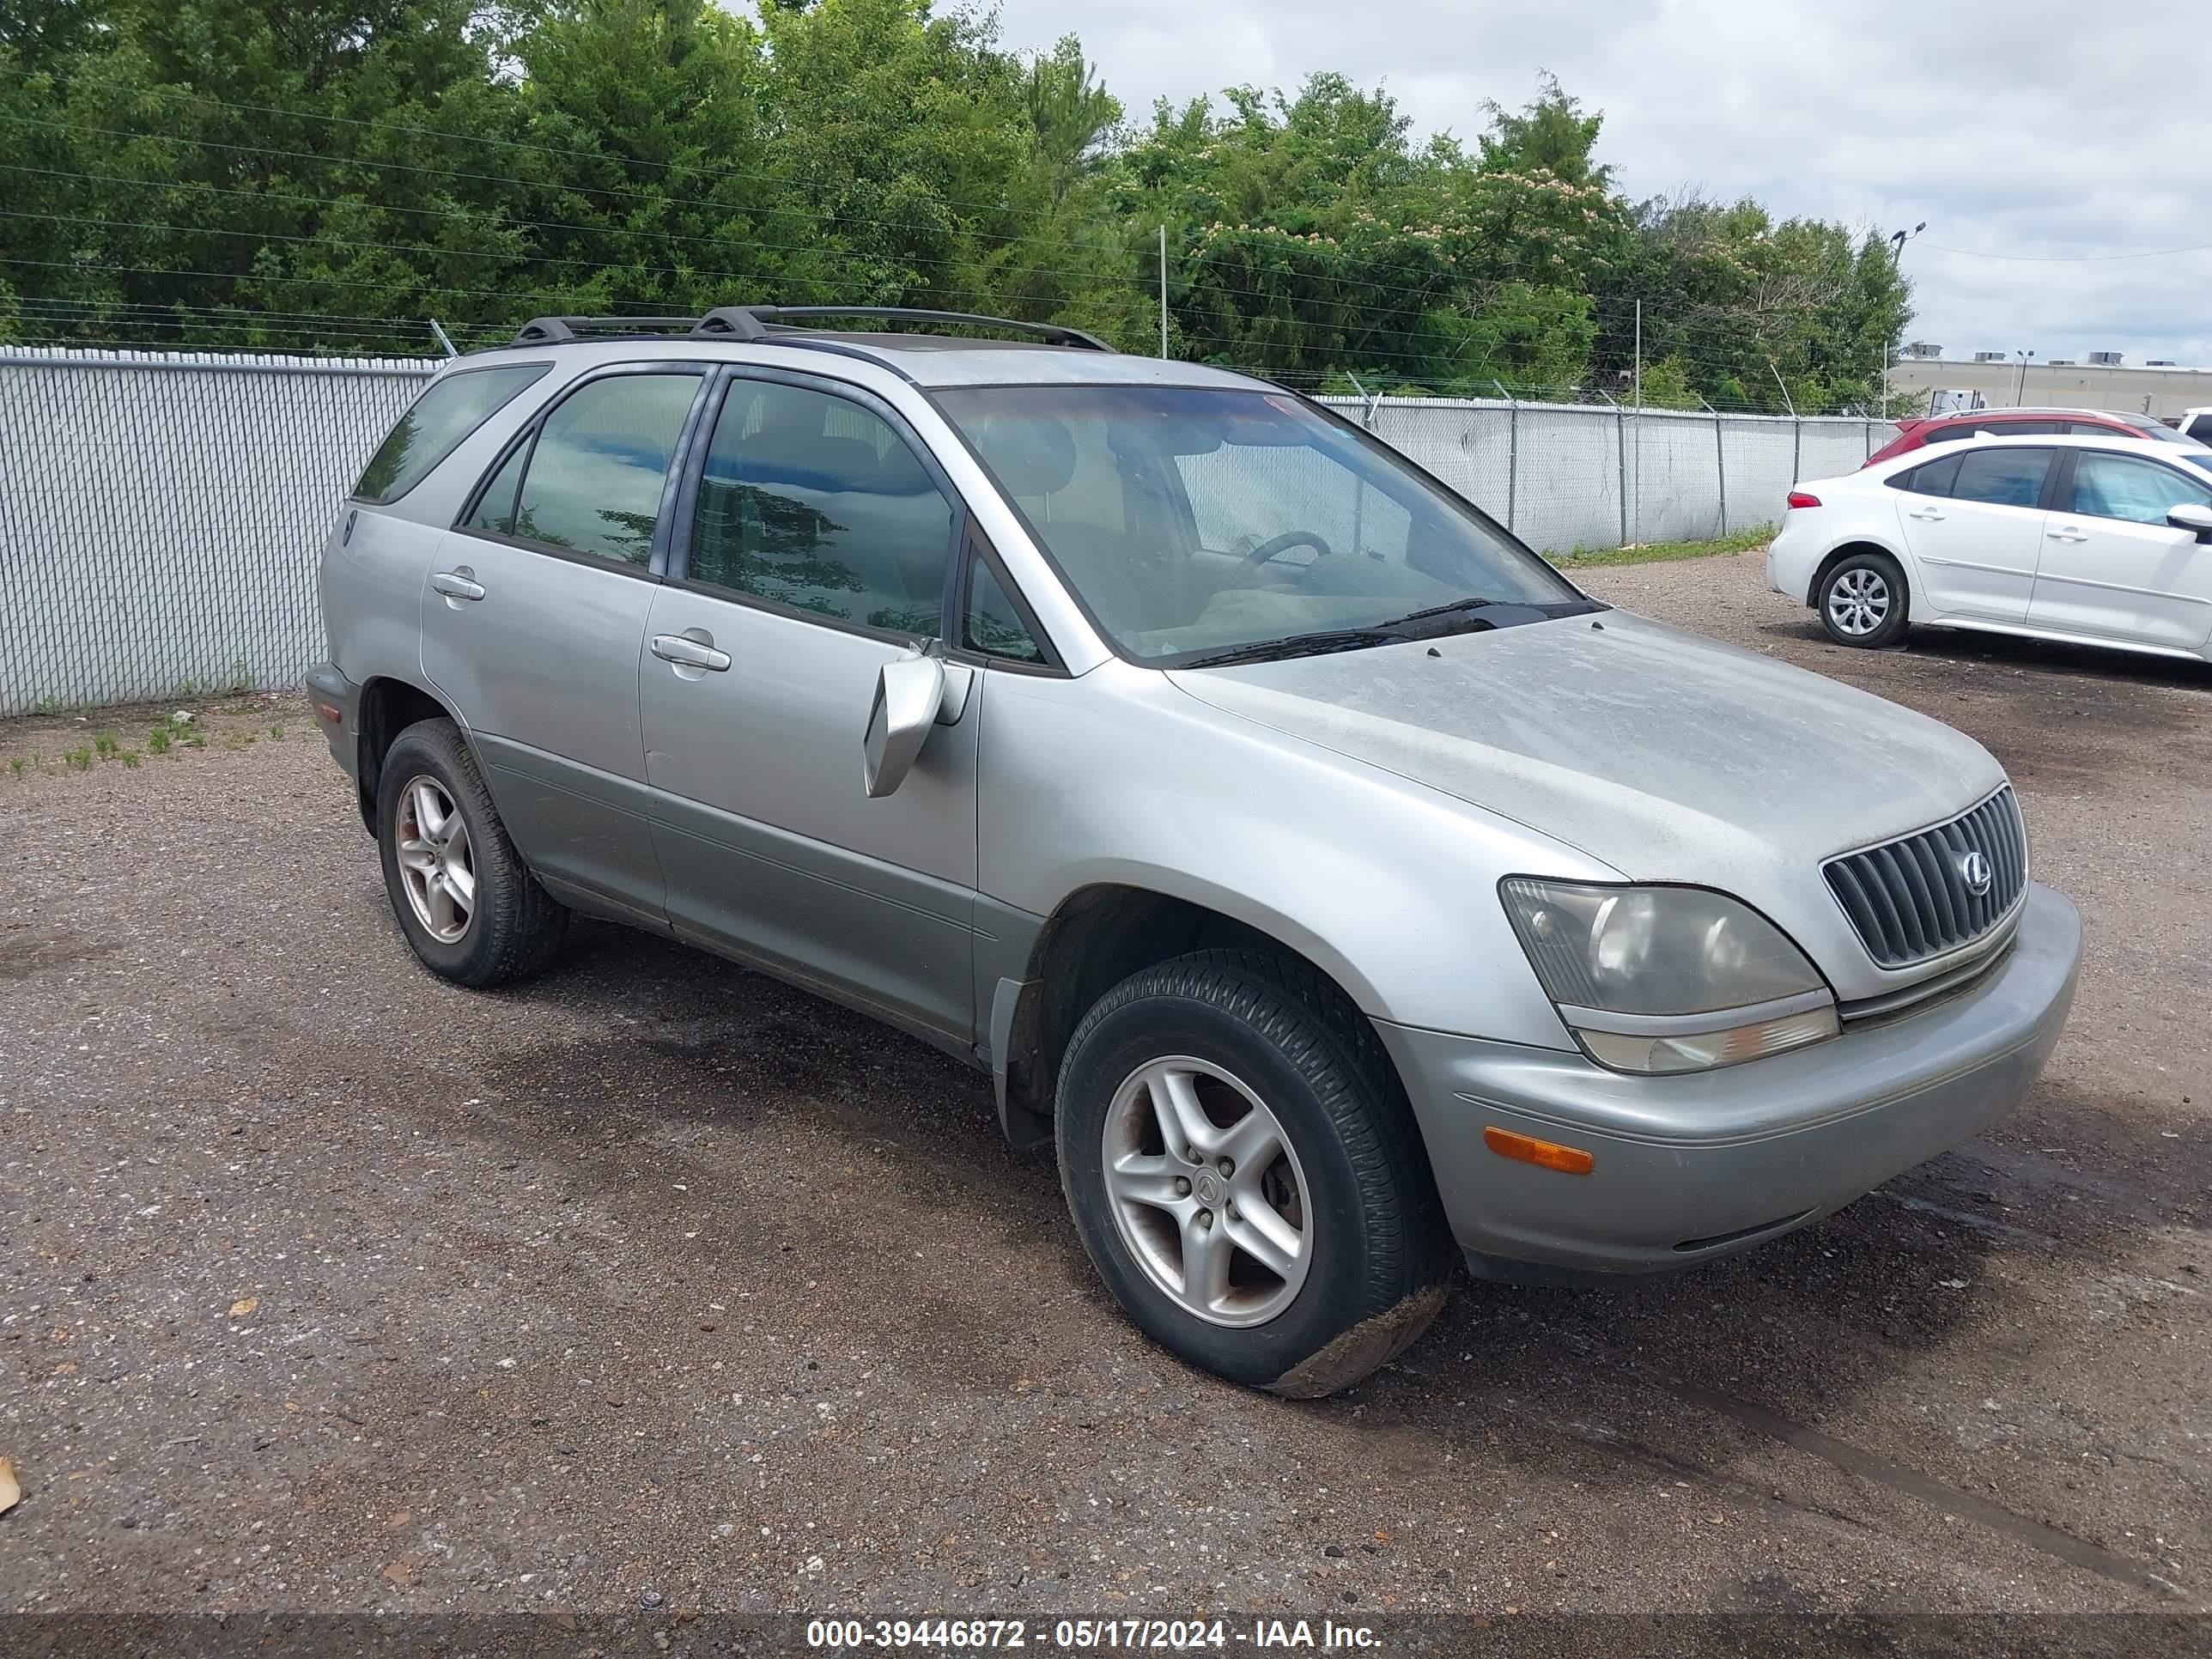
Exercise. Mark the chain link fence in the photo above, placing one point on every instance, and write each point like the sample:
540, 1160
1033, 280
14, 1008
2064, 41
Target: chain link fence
161, 512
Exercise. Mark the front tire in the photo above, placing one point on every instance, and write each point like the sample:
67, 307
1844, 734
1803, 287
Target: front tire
1246, 1175
463, 897
1862, 601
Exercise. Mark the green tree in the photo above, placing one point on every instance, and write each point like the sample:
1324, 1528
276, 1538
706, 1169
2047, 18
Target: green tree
330, 173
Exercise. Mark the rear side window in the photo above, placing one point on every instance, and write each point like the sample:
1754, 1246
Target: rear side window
2001, 477
435, 424
1947, 435
2201, 429
599, 466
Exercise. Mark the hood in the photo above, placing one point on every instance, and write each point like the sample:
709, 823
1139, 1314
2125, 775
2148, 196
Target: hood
1663, 754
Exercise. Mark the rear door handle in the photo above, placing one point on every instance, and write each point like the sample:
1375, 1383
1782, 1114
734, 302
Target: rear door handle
1927, 514
691, 650
459, 583
2066, 535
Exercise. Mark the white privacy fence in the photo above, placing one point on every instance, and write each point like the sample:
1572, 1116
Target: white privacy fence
1569, 478
161, 512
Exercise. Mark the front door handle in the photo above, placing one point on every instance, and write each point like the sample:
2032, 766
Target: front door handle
1926, 514
459, 583
693, 649
2069, 535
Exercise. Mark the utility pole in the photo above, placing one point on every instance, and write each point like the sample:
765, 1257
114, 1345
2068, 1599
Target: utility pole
1163, 290
1897, 242
2020, 393
1638, 525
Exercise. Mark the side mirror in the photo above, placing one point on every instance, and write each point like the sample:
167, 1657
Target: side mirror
909, 691
2189, 516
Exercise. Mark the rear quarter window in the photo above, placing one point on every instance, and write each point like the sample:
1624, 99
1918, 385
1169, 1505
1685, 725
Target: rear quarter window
1933, 479
437, 422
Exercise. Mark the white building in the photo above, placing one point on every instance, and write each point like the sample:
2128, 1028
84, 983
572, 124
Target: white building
2160, 389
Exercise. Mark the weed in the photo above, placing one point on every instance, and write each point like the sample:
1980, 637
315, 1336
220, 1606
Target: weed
103, 745
157, 740
1736, 541
129, 757
195, 739
278, 733
16, 766
48, 705
79, 759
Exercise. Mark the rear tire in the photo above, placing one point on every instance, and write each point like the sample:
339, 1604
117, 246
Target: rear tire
1325, 1254
464, 899
1862, 601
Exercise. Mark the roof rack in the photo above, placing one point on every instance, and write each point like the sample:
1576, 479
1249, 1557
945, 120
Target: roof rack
557, 330
753, 322
757, 322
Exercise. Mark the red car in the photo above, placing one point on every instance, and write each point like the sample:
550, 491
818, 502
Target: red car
2022, 423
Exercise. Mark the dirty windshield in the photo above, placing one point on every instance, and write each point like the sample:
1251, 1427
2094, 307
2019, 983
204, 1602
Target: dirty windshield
1199, 525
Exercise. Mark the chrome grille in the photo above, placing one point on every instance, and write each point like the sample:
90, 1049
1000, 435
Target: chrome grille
1909, 898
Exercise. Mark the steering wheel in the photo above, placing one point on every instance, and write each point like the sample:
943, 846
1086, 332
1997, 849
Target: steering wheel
1283, 544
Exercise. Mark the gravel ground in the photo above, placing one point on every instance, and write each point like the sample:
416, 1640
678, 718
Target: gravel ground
324, 1285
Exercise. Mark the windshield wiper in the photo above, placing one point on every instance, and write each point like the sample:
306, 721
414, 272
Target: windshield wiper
1296, 644
1510, 612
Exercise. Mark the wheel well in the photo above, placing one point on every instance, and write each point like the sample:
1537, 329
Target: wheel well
1096, 939
1851, 549
387, 707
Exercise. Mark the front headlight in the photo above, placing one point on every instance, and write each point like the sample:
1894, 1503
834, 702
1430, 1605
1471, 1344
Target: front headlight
1667, 979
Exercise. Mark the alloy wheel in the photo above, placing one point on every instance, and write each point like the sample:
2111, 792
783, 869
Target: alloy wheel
435, 859
1207, 1191
1858, 602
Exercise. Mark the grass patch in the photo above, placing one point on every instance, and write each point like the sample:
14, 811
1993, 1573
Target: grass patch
1740, 541
278, 733
16, 766
104, 745
157, 740
79, 759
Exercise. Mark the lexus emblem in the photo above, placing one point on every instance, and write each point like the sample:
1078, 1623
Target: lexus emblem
1974, 869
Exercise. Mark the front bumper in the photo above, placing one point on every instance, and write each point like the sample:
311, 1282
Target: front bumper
1689, 1168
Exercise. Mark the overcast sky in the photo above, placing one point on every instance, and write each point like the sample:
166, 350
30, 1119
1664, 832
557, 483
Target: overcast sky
2022, 127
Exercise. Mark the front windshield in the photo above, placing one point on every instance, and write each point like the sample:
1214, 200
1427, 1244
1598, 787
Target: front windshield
1196, 523
2158, 429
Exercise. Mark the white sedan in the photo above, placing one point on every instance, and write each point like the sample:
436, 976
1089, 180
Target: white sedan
2097, 540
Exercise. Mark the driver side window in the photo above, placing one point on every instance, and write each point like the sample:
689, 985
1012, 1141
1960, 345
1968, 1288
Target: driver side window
2107, 486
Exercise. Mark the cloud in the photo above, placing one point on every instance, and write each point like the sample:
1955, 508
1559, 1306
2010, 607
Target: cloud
2041, 127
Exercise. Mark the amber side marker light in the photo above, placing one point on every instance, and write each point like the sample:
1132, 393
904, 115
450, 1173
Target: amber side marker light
331, 713
1544, 1154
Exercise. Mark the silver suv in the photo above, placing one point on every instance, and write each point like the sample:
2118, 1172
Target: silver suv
1331, 883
